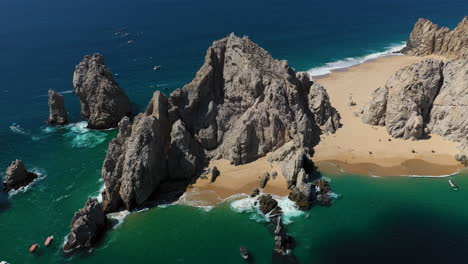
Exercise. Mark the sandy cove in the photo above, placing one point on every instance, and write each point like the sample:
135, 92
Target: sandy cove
363, 149
355, 148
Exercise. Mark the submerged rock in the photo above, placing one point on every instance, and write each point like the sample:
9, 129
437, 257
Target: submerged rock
103, 102
17, 176
428, 38
57, 112
87, 227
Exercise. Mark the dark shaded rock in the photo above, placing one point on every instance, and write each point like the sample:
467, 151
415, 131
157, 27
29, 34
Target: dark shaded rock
214, 174
103, 102
274, 174
264, 180
302, 201
87, 227
267, 203
428, 38
17, 176
255, 192
284, 243
57, 112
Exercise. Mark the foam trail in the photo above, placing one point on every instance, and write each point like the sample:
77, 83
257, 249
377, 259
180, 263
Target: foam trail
348, 62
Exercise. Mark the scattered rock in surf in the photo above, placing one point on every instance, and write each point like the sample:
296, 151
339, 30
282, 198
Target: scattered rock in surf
17, 176
255, 192
215, 174
267, 203
87, 226
264, 180
103, 102
57, 112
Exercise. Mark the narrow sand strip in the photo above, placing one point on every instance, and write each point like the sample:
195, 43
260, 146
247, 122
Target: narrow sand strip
365, 149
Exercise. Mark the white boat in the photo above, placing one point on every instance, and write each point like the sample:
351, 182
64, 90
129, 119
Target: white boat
244, 253
453, 185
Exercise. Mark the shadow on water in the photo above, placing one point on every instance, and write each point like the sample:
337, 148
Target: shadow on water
4, 202
416, 236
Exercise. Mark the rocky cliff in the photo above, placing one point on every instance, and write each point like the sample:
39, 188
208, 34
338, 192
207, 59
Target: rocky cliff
428, 38
87, 226
241, 105
57, 112
427, 97
17, 176
103, 102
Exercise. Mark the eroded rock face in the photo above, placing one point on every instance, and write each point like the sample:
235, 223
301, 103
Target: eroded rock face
243, 103
17, 176
87, 227
57, 112
267, 203
428, 38
404, 104
103, 102
427, 97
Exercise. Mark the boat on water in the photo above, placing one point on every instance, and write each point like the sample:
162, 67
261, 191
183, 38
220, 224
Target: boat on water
33, 248
244, 253
157, 68
48, 241
453, 185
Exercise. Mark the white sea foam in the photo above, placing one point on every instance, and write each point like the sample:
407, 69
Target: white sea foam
243, 203
18, 130
348, 62
119, 217
82, 137
41, 174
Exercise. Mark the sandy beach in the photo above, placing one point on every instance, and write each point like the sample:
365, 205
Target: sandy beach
363, 149
241, 179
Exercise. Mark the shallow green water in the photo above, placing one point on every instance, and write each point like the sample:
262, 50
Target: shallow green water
375, 220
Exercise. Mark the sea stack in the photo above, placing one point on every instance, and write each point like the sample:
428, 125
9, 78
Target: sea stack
103, 102
428, 38
57, 112
17, 176
241, 105
87, 226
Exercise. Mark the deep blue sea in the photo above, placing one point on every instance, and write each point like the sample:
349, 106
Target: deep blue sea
42, 41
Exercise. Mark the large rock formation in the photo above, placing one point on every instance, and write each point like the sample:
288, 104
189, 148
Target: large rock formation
57, 112
427, 97
103, 102
17, 176
428, 38
87, 227
241, 105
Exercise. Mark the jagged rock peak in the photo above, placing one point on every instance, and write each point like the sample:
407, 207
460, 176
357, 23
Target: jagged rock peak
87, 227
57, 112
103, 102
243, 103
17, 176
428, 38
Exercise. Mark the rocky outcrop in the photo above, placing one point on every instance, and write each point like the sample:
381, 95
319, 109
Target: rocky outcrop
404, 104
214, 174
17, 176
57, 112
426, 97
264, 180
241, 105
267, 203
428, 38
87, 227
103, 102
284, 243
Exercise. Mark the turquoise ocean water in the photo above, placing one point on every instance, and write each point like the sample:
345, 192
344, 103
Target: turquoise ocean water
375, 220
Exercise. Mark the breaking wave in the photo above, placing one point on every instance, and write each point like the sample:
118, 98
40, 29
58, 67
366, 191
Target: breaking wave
79, 135
349, 62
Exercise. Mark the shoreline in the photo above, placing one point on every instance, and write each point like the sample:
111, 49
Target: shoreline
364, 149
